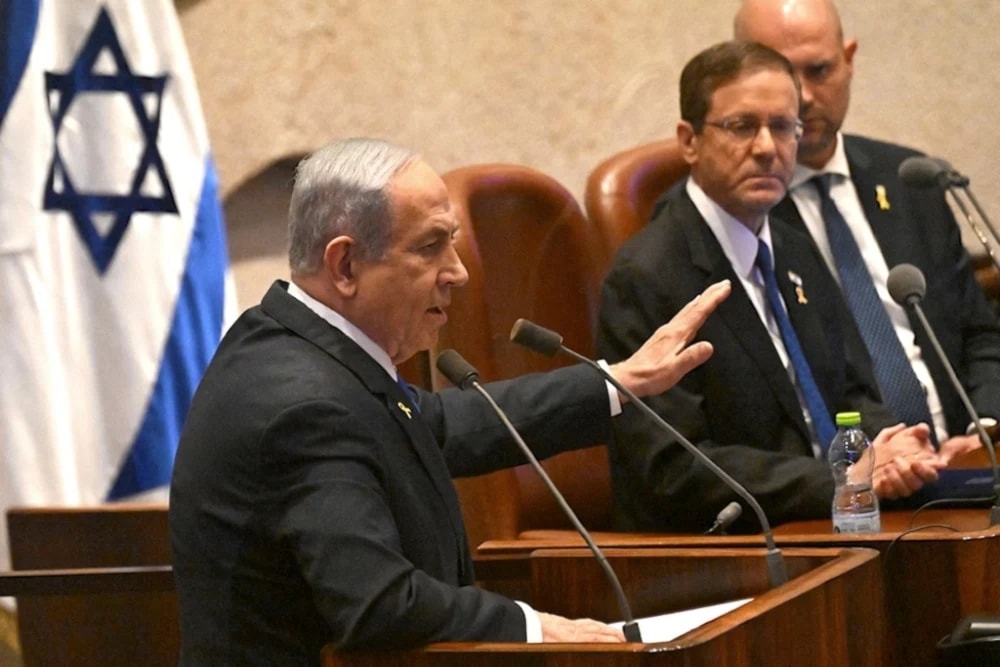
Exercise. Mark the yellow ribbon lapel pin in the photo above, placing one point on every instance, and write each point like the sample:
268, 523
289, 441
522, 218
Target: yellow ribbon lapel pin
881, 198
800, 294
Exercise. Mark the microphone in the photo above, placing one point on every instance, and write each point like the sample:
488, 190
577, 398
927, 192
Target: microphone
907, 287
924, 172
927, 172
462, 374
725, 518
548, 342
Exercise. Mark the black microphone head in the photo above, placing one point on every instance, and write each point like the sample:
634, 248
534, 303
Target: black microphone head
458, 371
906, 284
535, 337
924, 172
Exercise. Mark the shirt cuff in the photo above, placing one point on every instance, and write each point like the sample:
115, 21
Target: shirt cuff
986, 422
532, 624
613, 398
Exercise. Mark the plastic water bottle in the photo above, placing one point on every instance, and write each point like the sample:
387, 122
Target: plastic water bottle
855, 505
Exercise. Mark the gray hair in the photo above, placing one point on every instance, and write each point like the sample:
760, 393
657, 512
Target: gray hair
340, 191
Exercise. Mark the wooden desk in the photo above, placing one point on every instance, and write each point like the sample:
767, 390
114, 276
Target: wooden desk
932, 578
94, 585
827, 588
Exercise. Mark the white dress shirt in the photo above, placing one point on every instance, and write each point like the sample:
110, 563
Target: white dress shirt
844, 195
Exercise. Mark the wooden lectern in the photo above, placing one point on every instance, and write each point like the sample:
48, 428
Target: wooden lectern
809, 620
94, 585
932, 577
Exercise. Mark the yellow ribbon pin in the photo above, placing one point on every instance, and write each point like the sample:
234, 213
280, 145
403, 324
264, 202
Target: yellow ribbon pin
407, 411
800, 294
880, 197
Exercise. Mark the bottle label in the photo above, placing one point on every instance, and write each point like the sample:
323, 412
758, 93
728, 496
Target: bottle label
867, 522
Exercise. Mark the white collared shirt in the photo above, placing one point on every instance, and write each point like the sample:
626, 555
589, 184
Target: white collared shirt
845, 196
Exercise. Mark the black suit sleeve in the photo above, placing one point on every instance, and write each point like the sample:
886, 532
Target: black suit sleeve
329, 503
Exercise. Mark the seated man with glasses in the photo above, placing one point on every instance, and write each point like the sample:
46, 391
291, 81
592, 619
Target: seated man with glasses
786, 356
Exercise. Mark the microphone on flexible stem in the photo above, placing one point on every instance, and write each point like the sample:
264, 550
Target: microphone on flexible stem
725, 518
907, 287
462, 374
548, 342
928, 172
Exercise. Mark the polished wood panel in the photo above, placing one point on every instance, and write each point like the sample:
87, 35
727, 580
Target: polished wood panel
94, 585
806, 621
933, 576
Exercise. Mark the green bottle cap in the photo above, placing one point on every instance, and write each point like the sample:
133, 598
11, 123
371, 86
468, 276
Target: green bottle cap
848, 419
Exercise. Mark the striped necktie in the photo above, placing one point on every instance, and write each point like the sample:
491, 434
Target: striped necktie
901, 390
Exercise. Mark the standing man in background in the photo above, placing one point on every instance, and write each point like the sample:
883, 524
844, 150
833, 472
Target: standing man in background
847, 193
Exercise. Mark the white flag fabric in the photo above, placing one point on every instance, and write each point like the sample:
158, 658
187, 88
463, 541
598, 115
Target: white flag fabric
113, 269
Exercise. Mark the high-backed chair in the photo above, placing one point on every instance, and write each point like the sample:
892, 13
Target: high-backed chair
622, 190
530, 253
94, 585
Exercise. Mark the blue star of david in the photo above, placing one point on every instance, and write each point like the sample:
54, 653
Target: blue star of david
62, 88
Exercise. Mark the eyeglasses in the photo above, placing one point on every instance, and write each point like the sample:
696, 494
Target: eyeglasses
745, 129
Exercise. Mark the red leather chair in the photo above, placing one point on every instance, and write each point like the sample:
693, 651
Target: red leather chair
622, 190
530, 253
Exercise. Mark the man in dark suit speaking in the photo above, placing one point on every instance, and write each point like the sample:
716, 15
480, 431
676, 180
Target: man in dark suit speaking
311, 499
786, 354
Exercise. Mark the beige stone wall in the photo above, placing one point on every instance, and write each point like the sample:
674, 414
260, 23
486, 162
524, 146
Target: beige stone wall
556, 84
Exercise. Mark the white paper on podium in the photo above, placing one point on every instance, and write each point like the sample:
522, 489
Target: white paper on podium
666, 627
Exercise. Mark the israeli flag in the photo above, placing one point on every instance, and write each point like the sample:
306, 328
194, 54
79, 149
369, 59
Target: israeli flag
114, 282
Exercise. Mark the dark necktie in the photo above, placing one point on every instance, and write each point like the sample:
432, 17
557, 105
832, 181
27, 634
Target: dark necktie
822, 424
411, 395
901, 390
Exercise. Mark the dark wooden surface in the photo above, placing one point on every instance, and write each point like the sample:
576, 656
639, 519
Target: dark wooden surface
932, 577
94, 586
827, 588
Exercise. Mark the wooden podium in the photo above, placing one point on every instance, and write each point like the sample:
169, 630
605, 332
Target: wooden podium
805, 621
94, 586
932, 577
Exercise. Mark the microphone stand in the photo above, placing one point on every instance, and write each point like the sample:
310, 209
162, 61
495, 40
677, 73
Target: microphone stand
776, 567
953, 191
983, 437
548, 342
461, 373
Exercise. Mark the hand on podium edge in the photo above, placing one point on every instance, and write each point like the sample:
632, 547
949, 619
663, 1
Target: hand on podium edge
581, 630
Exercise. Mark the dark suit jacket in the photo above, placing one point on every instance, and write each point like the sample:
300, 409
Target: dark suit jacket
919, 229
308, 506
740, 407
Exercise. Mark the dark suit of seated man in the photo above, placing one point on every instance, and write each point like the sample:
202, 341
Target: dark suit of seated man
748, 407
311, 499
888, 222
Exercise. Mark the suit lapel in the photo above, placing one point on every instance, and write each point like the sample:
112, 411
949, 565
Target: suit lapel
297, 317
738, 311
881, 198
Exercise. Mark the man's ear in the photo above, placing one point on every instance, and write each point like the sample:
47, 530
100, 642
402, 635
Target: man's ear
340, 265
687, 140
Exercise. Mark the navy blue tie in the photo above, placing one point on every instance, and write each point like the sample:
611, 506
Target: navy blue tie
411, 395
901, 390
818, 412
